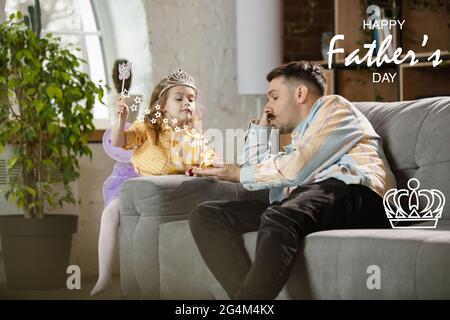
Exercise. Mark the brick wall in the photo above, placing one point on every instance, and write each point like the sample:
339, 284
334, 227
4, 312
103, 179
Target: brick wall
305, 45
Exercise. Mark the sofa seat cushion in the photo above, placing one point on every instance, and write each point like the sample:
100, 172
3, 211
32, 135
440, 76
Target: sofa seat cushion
333, 264
178, 194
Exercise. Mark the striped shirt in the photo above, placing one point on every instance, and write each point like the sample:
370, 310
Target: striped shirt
335, 140
175, 154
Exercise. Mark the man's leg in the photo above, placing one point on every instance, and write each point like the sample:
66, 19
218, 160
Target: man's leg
217, 227
330, 204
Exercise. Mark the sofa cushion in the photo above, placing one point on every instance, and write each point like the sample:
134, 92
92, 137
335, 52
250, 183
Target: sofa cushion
416, 140
333, 264
183, 273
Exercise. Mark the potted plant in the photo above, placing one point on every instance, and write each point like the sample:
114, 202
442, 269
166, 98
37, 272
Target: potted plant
46, 105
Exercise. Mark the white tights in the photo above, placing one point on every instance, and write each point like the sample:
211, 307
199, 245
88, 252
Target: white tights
106, 246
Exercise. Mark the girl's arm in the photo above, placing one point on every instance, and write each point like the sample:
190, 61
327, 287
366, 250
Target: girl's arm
117, 135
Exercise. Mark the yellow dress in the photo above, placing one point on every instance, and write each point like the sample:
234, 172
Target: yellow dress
176, 152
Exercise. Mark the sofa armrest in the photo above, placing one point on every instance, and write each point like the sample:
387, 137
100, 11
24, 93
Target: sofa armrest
148, 202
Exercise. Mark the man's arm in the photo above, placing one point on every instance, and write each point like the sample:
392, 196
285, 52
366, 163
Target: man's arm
333, 131
256, 145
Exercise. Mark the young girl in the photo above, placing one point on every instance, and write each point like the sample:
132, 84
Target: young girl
167, 140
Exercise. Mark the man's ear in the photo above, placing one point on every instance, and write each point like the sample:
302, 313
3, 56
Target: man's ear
301, 93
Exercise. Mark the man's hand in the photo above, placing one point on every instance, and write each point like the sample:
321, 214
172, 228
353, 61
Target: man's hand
227, 172
265, 119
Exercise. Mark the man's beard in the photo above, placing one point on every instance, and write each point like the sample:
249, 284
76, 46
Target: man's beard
285, 130
282, 128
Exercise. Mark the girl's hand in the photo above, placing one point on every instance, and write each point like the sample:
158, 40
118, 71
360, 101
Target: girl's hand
190, 172
123, 110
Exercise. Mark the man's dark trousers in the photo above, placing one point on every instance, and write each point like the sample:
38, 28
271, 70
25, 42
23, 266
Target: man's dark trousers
217, 227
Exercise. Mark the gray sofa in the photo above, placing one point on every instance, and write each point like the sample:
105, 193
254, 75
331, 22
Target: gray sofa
159, 258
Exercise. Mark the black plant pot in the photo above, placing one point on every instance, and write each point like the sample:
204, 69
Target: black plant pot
37, 251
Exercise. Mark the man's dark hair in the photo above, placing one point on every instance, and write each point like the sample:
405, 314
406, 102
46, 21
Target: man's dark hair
309, 73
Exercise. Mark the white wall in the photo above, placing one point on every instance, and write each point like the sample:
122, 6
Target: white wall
200, 36
2, 10
125, 35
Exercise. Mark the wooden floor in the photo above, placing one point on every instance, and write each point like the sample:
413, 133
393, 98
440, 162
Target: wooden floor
87, 284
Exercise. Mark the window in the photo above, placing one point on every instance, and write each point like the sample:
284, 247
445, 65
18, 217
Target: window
74, 21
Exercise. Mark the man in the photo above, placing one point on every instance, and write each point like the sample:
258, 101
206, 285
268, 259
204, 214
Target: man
332, 176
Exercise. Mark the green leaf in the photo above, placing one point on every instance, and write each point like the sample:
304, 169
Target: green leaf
11, 162
19, 15
52, 128
39, 105
19, 55
29, 164
11, 16
49, 163
31, 92
54, 92
76, 131
65, 76
28, 54
31, 191
72, 140
2, 80
74, 94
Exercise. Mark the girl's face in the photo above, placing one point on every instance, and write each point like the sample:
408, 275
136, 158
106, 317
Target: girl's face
180, 104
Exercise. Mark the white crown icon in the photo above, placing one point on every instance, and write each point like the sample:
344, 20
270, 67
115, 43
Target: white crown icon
433, 204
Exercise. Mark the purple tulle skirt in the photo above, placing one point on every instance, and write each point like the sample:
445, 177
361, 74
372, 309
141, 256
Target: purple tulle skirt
111, 186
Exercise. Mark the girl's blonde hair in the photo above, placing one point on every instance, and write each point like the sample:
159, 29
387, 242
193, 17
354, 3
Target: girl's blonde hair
161, 99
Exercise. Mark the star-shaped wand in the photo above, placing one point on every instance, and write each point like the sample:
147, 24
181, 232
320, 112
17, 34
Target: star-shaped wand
124, 74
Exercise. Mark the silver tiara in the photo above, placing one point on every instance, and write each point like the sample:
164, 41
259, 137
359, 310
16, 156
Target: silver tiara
178, 78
